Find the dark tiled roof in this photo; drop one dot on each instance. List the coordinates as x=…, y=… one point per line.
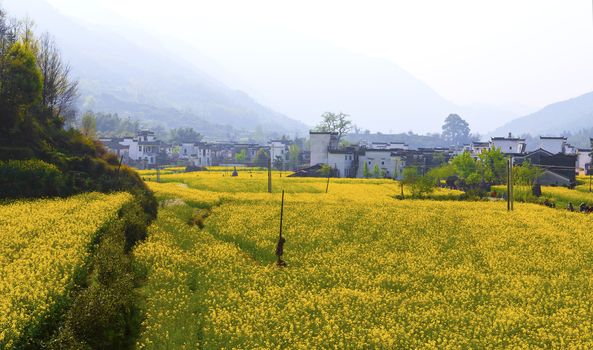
x=115, y=145
x=507, y=139
x=552, y=138
x=322, y=133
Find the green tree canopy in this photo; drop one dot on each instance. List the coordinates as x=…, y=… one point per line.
x=492, y=165
x=293, y=155
x=465, y=165
x=335, y=122
x=261, y=158
x=241, y=156
x=20, y=87
x=418, y=184
x=184, y=135
x=456, y=130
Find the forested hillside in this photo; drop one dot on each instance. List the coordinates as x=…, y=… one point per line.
x=121, y=76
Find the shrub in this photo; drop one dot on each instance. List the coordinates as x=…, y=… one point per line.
x=30, y=178
x=102, y=314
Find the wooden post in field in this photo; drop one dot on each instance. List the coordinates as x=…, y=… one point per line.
x=329, y=171
x=509, y=185
x=281, y=240
x=512, y=186
x=281, y=214
x=270, y=173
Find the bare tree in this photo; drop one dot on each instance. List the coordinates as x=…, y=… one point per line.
x=59, y=90
x=333, y=122
x=8, y=36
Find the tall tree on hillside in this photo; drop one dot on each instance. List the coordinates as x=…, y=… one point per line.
x=335, y=122
x=59, y=90
x=456, y=130
x=20, y=88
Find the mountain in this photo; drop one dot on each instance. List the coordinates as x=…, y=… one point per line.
x=130, y=78
x=570, y=116
x=304, y=77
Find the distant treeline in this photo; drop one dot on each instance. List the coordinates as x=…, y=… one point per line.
x=111, y=125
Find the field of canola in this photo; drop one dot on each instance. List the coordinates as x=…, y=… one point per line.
x=43, y=243
x=364, y=270
x=559, y=195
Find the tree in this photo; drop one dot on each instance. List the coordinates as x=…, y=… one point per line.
x=293, y=155
x=466, y=168
x=376, y=171
x=365, y=170
x=492, y=165
x=111, y=125
x=278, y=163
x=526, y=174
x=181, y=135
x=261, y=158
x=241, y=156
x=332, y=122
x=325, y=170
x=441, y=173
x=456, y=130
x=20, y=87
x=88, y=125
x=59, y=90
x=419, y=184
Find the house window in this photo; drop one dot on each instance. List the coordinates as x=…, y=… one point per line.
x=382, y=163
x=369, y=162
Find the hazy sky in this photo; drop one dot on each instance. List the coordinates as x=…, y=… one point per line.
x=514, y=53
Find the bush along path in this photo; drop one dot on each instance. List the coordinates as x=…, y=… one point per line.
x=103, y=312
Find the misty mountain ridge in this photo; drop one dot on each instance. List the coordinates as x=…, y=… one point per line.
x=569, y=116
x=304, y=77
x=118, y=76
x=175, y=85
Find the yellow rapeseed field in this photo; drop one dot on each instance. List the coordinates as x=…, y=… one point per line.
x=561, y=195
x=364, y=270
x=42, y=245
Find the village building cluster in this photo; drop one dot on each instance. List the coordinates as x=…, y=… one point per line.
x=145, y=151
x=559, y=160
